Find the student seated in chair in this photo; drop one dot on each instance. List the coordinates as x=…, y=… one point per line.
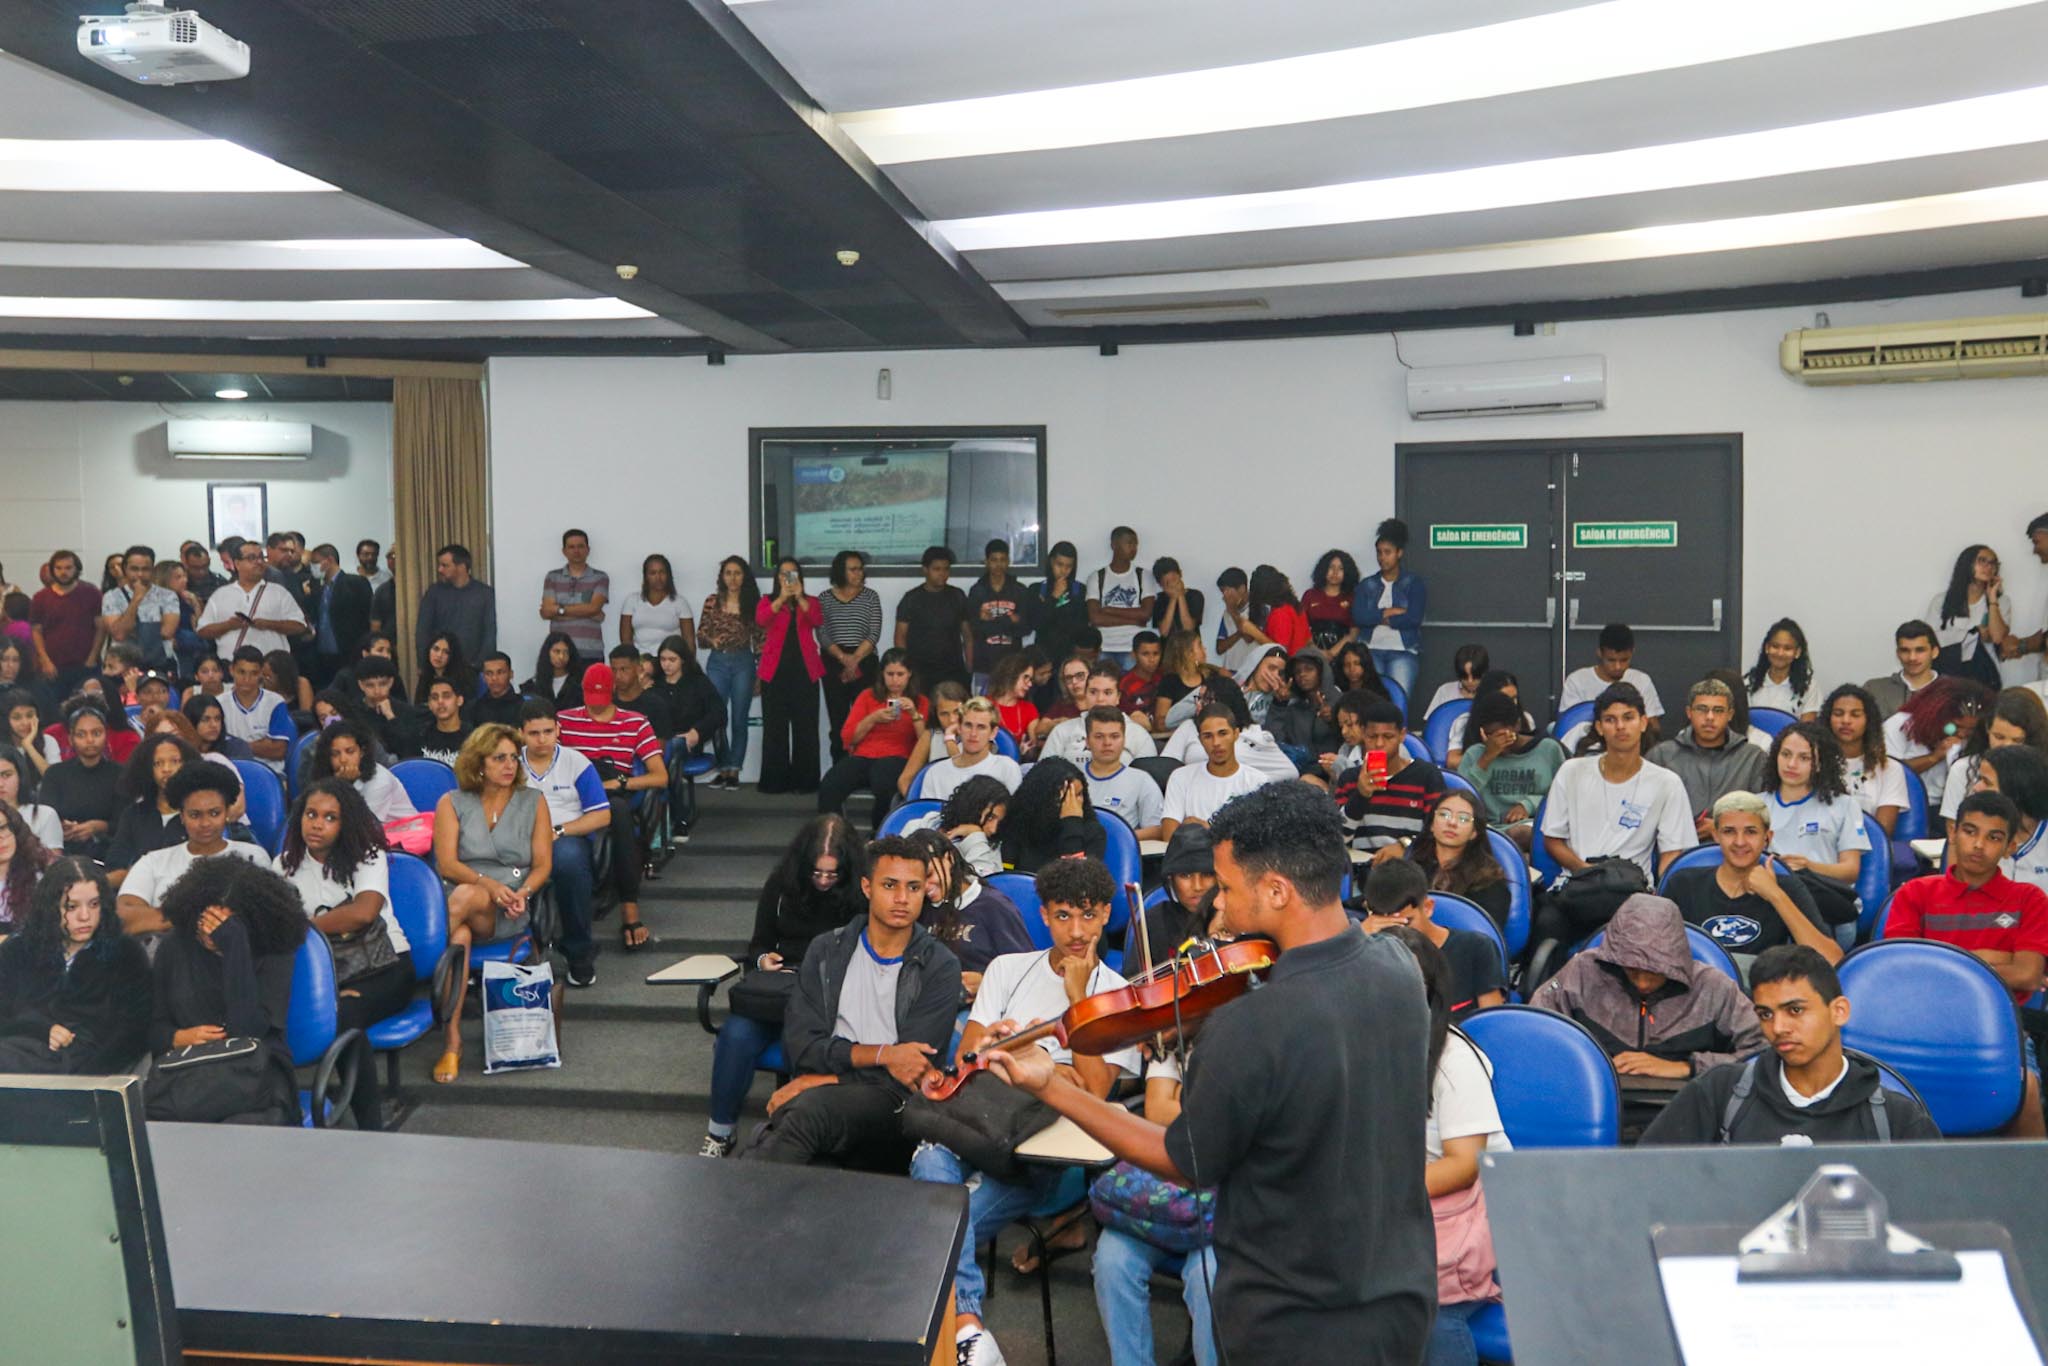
x=1069, y=738
x=1977, y=908
x=1654, y=1010
x=1383, y=815
x=1709, y=757
x=977, y=754
x=1915, y=646
x=1617, y=653
x=873, y=1007
x=1397, y=893
x=201, y=793
x=1017, y=991
x=442, y=736
x=1113, y=785
x=1747, y=905
x=1194, y=794
x=1804, y=1088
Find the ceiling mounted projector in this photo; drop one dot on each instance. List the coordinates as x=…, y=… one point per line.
x=153, y=45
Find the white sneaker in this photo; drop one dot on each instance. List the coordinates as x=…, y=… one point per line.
x=714, y=1146
x=979, y=1349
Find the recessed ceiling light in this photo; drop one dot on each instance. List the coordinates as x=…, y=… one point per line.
x=231, y=393
x=149, y=165
x=1568, y=47
x=2011, y=119
x=322, y=310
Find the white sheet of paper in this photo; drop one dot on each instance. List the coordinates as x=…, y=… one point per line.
x=1872, y=1323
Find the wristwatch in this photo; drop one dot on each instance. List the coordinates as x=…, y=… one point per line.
x=558, y=832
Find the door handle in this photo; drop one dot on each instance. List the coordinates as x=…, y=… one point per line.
x=1713, y=627
x=1549, y=620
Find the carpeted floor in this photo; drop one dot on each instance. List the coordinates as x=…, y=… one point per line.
x=636, y=1065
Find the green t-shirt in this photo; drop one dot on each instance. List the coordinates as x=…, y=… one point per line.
x=1513, y=778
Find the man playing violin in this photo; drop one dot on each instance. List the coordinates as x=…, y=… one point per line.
x=1017, y=991
x=1304, y=1107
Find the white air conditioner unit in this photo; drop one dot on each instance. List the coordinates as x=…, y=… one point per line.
x=1966, y=348
x=1559, y=384
x=194, y=438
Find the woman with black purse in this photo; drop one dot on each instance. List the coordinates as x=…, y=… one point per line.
x=74, y=991
x=815, y=888
x=334, y=857
x=223, y=992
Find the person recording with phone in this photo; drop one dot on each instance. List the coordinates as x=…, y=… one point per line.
x=1387, y=799
x=789, y=672
x=882, y=727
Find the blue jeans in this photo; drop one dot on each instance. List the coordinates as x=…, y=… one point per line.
x=1398, y=665
x=575, y=884
x=732, y=672
x=1123, y=1296
x=1450, y=1338
x=991, y=1205
x=734, y=1060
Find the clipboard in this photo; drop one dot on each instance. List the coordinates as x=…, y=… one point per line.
x=1829, y=1277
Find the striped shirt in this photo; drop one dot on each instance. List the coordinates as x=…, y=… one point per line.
x=573, y=591
x=1395, y=813
x=618, y=742
x=847, y=624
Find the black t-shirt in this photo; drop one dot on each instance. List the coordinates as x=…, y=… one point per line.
x=1059, y=619
x=1325, y=1250
x=1197, y=607
x=489, y=710
x=1474, y=961
x=997, y=634
x=1740, y=924
x=1172, y=689
x=654, y=707
x=78, y=793
x=934, y=619
x=435, y=743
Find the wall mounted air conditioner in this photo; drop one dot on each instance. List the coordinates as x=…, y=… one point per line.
x=192, y=438
x=1965, y=348
x=1559, y=384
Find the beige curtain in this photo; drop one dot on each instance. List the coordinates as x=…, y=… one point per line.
x=441, y=489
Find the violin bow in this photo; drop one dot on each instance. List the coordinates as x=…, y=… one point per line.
x=1137, y=921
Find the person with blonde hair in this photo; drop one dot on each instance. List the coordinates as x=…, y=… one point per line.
x=977, y=754
x=494, y=848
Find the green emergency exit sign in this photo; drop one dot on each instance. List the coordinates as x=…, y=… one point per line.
x=1479, y=536
x=1624, y=535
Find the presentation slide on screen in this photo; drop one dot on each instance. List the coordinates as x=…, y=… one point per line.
x=890, y=506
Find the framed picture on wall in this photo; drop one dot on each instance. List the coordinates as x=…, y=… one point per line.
x=237, y=510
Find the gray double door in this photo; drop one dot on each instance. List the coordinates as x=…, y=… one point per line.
x=1530, y=547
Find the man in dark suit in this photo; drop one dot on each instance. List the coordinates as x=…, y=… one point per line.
x=341, y=614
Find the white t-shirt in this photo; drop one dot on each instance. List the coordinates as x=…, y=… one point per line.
x=51, y=753
x=386, y=797
x=1022, y=987
x=1973, y=618
x=1461, y=1100
x=867, y=998
x=1194, y=793
x=1781, y=696
x=1132, y=795
x=1886, y=787
x=1069, y=740
x=654, y=622
x=943, y=779
x=266, y=600
x=1255, y=749
x=269, y=719
x=1823, y=833
x=1112, y=589
x=1383, y=637
x=1900, y=746
x=1633, y=819
x=2029, y=862
x=1584, y=685
x=1449, y=692
x=1799, y=1102
x=319, y=892
x=155, y=871
x=1962, y=772
x=45, y=824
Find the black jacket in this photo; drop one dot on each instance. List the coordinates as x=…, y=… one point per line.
x=1695, y=1114
x=1077, y=835
x=104, y=999
x=694, y=704
x=927, y=999
x=350, y=595
x=789, y=926
x=1296, y=722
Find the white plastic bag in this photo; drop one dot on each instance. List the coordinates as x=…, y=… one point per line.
x=519, y=1017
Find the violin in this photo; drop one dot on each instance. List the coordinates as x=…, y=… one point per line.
x=1201, y=977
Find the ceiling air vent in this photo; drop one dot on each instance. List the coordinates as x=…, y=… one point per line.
x=1128, y=312
x=1966, y=348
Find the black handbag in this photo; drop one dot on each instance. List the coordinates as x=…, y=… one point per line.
x=762, y=996
x=1589, y=898
x=982, y=1122
x=239, y=1079
x=1836, y=901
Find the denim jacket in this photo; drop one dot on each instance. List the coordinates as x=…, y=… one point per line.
x=1410, y=595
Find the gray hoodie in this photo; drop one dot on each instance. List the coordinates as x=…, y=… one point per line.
x=1710, y=774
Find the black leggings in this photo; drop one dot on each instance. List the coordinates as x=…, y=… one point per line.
x=378, y=995
x=853, y=773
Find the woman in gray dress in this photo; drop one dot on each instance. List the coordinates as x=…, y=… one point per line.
x=494, y=848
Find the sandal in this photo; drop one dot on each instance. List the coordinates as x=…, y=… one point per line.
x=447, y=1068
x=630, y=941
x=1069, y=1233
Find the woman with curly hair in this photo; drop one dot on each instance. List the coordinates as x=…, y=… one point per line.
x=1934, y=723
x=147, y=821
x=345, y=750
x=1782, y=676
x=1327, y=604
x=74, y=991
x=1352, y=670
x=968, y=916
x=1049, y=817
x=23, y=858
x=1874, y=778
x=970, y=819
x=1816, y=826
x=335, y=859
x=444, y=660
x=225, y=972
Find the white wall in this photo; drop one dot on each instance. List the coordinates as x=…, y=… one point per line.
x=1856, y=500
x=97, y=477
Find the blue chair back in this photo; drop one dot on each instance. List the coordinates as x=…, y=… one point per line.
x=1022, y=889
x=422, y=910
x=1874, y=874
x=310, y=1021
x=1396, y=694
x=426, y=781
x=1416, y=749
x=907, y=815
x=295, y=759
x=1706, y=856
x=1454, y=781
x=1454, y=912
x=264, y=796
x=1912, y=822
x=917, y=784
x=1578, y=714
x=1944, y=1022
x=1554, y=1086
x=1006, y=744
x=1704, y=950
x=1120, y=855
x=1436, y=727
x=1770, y=720
x=1539, y=853
x=1508, y=855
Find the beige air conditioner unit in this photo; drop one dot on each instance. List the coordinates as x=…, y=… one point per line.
x=1966, y=348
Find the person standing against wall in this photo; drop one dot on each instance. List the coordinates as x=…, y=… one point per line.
x=573, y=598
x=1120, y=601
x=343, y=617
x=852, y=634
x=790, y=670
x=726, y=626
x=461, y=605
x=64, y=621
x=1388, y=608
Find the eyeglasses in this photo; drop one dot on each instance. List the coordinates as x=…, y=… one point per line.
x=824, y=875
x=1455, y=817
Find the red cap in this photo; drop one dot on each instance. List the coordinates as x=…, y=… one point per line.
x=597, y=686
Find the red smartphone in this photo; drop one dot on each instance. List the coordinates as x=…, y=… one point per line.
x=1376, y=765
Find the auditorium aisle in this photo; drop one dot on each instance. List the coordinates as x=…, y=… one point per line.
x=636, y=1067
